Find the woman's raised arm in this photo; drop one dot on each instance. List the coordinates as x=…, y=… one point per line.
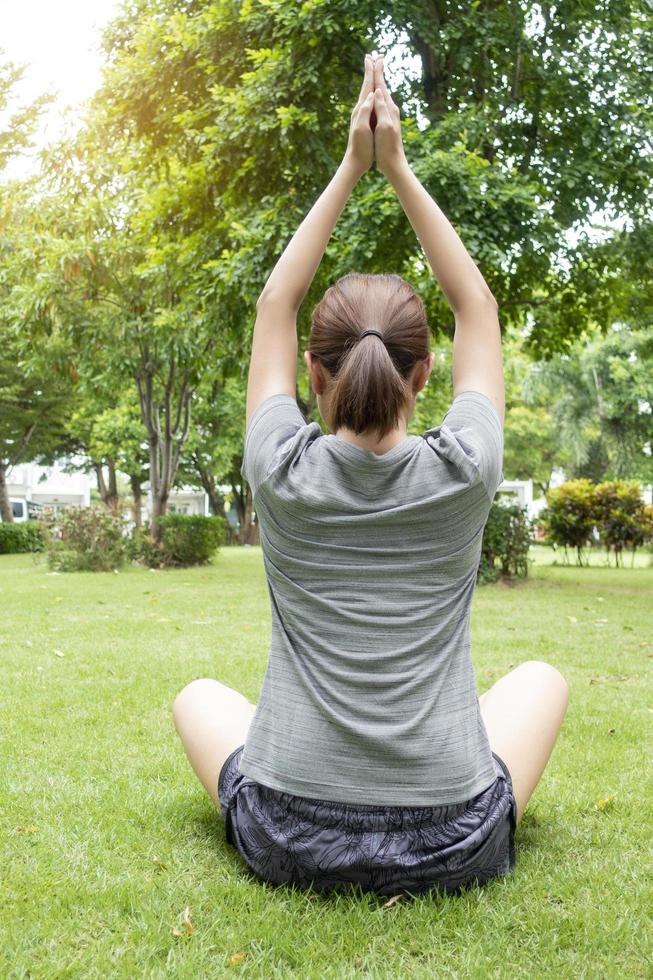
x=477, y=358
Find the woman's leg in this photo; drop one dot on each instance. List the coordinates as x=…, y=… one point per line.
x=212, y=720
x=523, y=712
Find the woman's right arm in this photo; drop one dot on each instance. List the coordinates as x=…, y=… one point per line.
x=477, y=356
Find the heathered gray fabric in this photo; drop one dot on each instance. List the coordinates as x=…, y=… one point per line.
x=370, y=693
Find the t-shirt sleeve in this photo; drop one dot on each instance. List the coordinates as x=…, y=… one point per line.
x=476, y=425
x=274, y=423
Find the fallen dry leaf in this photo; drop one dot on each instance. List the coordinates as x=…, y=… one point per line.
x=32, y=829
x=604, y=804
x=188, y=925
x=572, y=619
x=237, y=958
x=391, y=901
x=59, y=653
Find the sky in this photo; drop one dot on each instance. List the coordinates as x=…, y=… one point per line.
x=59, y=42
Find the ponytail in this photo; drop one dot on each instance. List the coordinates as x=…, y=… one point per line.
x=370, y=386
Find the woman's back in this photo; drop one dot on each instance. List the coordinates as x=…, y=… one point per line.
x=371, y=562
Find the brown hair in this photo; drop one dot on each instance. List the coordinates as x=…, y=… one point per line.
x=370, y=386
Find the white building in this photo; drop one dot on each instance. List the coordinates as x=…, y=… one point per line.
x=32, y=487
x=183, y=500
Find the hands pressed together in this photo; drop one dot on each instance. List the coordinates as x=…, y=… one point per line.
x=375, y=129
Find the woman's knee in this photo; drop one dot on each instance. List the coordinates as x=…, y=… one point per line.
x=547, y=673
x=191, y=692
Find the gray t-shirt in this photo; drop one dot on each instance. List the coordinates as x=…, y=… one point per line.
x=370, y=694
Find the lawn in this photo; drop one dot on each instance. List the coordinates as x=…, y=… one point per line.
x=107, y=837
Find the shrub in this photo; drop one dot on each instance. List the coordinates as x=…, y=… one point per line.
x=186, y=539
x=85, y=539
x=141, y=548
x=622, y=517
x=506, y=540
x=570, y=515
x=16, y=539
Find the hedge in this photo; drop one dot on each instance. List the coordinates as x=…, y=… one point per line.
x=17, y=538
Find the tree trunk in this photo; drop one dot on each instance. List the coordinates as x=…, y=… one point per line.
x=167, y=428
x=159, y=509
x=108, y=492
x=6, y=513
x=207, y=480
x=137, y=494
x=249, y=532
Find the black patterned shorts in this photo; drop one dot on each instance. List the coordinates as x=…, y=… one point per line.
x=287, y=839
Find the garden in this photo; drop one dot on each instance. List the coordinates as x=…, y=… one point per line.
x=115, y=862
x=138, y=231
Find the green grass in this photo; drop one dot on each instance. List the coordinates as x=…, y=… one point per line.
x=125, y=837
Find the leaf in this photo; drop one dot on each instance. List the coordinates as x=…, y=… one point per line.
x=572, y=619
x=32, y=829
x=606, y=803
x=59, y=653
x=391, y=901
x=188, y=925
x=236, y=958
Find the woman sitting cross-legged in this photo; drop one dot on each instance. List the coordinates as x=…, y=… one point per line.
x=369, y=758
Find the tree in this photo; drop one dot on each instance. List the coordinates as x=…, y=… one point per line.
x=32, y=395
x=601, y=401
x=533, y=118
x=37, y=383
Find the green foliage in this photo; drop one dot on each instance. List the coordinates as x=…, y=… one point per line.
x=615, y=509
x=190, y=539
x=506, y=540
x=17, y=538
x=601, y=398
x=186, y=539
x=623, y=517
x=142, y=549
x=85, y=539
x=494, y=122
x=570, y=515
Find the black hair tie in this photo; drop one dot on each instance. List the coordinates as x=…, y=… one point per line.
x=376, y=332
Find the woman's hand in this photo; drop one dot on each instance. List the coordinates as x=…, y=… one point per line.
x=388, y=143
x=360, y=148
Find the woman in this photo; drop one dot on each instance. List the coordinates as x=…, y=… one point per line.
x=369, y=758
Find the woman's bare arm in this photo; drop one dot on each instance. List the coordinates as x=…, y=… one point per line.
x=477, y=357
x=452, y=265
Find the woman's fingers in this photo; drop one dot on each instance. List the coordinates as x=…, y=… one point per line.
x=381, y=107
x=368, y=79
x=379, y=82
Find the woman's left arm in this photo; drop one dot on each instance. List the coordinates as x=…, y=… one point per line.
x=273, y=363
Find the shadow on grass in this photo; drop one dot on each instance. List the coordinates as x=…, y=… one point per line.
x=207, y=828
